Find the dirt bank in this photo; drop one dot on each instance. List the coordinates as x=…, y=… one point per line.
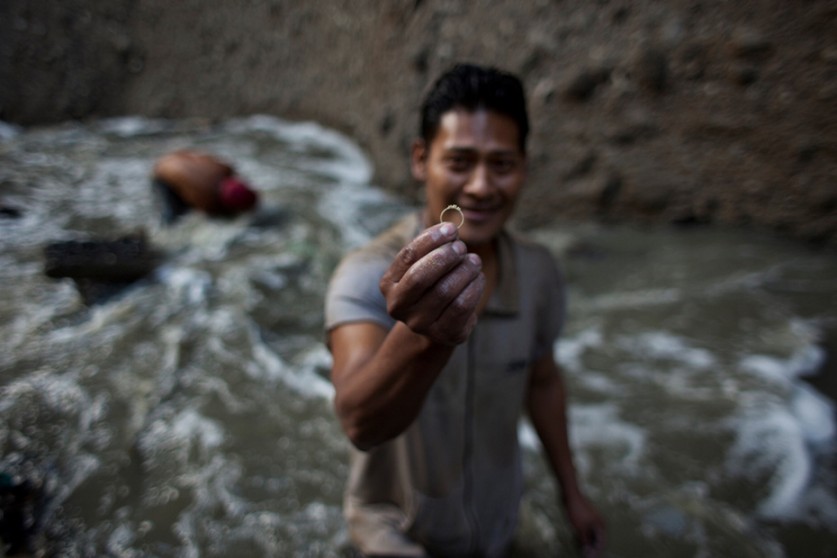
x=683, y=111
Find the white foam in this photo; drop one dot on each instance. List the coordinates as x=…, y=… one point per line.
x=191, y=425
x=131, y=126
x=59, y=397
x=770, y=441
x=665, y=345
x=815, y=415
x=570, y=349
x=527, y=436
x=190, y=285
x=804, y=361
x=634, y=299
x=770, y=368
x=109, y=190
x=777, y=440
x=600, y=427
x=9, y=131
x=349, y=165
x=304, y=379
x=177, y=433
x=347, y=206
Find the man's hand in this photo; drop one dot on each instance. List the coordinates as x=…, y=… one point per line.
x=588, y=526
x=434, y=286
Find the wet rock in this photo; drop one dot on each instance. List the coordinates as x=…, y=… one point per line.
x=10, y=212
x=127, y=258
x=100, y=268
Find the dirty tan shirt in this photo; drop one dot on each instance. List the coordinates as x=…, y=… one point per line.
x=451, y=484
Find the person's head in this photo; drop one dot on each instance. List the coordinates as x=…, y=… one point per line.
x=235, y=196
x=472, y=87
x=472, y=149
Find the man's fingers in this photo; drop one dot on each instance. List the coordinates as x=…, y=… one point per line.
x=466, y=302
x=460, y=317
x=430, y=269
x=423, y=244
x=593, y=545
x=434, y=286
x=453, y=289
x=420, y=279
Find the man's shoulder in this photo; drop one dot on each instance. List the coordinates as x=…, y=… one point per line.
x=353, y=294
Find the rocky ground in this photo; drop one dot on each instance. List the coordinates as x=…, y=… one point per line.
x=685, y=111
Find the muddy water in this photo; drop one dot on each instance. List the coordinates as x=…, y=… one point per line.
x=189, y=415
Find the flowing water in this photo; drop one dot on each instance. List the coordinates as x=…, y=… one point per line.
x=189, y=415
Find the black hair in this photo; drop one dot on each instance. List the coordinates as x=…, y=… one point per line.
x=473, y=87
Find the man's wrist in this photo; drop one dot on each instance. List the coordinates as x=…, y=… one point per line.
x=570, y=491
x=422, y=343
x=429, y=342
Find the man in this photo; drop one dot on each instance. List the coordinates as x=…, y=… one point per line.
x=191, y=179
x=441, y=336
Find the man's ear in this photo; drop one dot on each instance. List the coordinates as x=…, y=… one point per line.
x=418, y=160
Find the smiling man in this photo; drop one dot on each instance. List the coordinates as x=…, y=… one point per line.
x=443, y=336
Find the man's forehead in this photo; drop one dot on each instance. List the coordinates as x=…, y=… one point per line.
x=461, y=129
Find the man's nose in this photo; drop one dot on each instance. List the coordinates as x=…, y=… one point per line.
x=479, y=183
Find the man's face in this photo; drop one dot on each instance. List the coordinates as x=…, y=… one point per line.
x=475, y=162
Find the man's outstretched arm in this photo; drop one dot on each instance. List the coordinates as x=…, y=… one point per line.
x=381, y=377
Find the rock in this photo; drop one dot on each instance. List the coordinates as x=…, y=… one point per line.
x=611, y=188
x=10, y=212
x=583, y=85
x=651, y=69
x=100, y=267
x=750, y=43
x=744, y=74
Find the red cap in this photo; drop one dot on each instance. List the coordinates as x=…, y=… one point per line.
x=236, y=195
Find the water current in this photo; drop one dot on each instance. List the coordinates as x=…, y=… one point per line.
x=190, y=414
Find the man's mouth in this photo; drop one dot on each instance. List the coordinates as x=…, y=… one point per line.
x=478, y=214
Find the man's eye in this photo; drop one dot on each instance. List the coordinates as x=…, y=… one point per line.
x=504, y=165
x=458, y=163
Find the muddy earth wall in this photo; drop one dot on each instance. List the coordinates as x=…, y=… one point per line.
x=685, y=111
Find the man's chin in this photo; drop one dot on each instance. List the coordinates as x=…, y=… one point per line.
x=476, y=238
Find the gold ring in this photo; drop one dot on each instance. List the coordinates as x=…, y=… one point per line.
x=456, y=208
